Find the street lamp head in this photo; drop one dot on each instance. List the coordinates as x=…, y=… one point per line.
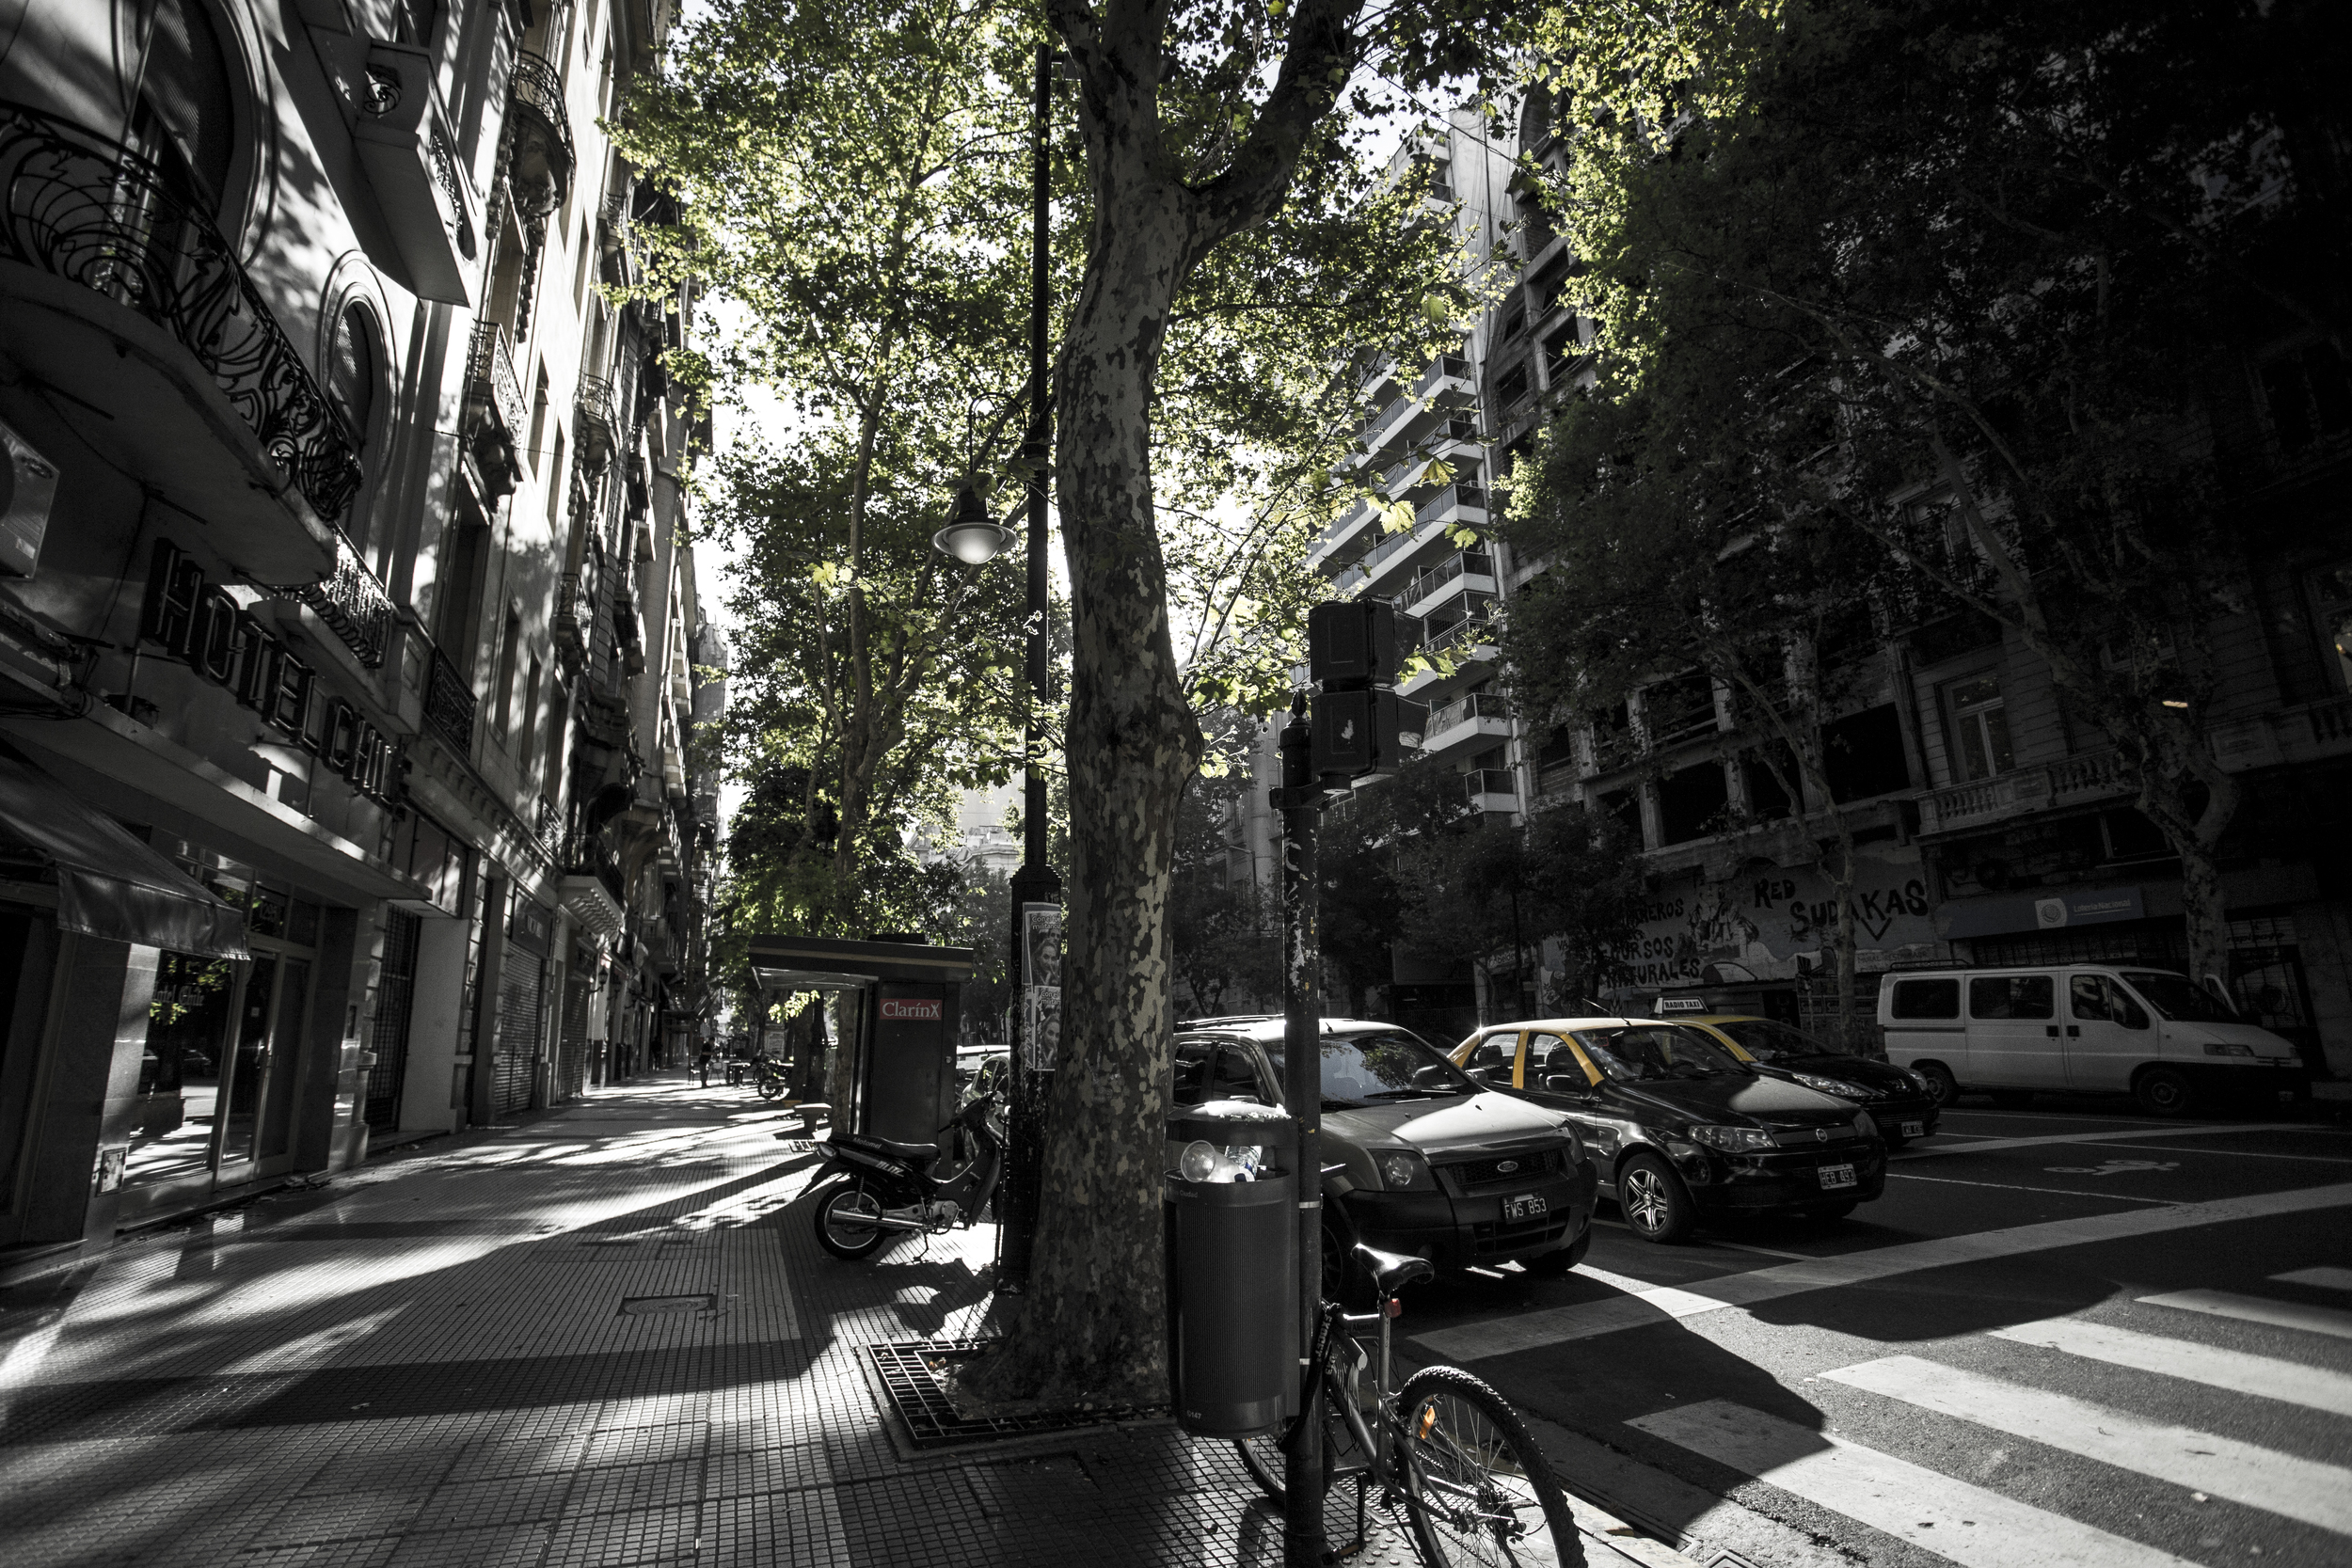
x=970, y=536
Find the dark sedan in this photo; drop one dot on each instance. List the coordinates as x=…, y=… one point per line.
x=1678, y=1127
x=1898, y=1101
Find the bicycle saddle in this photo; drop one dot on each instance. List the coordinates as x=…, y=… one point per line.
x=1391, y=1271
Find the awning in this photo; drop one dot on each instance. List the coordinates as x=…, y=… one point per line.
x=109, y=884
x=824, y=963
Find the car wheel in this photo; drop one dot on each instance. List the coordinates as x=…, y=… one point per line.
x=1940, y=1086
x=1652, y=1195
x=1343, y=1278
x=2012, y=1100
x=2163, y=1092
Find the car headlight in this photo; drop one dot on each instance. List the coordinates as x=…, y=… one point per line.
x=1918, y=1081
x=2218, y=1048
x=1733, y=1140
x=1837, y=1086
x=1403, y=1170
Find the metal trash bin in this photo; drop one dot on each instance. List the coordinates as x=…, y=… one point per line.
x=1233, y=1271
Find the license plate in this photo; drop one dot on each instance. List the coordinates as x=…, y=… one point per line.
x=1838, y=1175
x=1529, y=1205
x=1914, y=1129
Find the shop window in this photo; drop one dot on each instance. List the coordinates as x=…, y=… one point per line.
x=1691, y=803
x=1980, y=727
x=1863, y=754
x=181, y=1075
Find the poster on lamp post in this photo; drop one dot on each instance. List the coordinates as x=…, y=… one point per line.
x=1041, y=997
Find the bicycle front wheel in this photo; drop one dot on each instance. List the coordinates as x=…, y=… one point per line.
x=1479, y=1490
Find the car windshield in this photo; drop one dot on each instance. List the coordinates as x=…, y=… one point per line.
x=2178, y=1000
x=1768, y=1040
x=1652, y=1052
x=1365, y=1070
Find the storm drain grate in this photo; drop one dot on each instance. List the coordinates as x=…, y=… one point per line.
x=641, y=1306
x=910, y=1373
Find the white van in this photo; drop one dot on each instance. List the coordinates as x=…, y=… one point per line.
x=2082, y=1029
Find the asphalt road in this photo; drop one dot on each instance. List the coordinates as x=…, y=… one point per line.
x=2063, y=1337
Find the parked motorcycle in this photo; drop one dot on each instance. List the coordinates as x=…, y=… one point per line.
x=881, y=1188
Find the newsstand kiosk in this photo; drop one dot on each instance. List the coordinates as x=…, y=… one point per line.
x=902, y=1027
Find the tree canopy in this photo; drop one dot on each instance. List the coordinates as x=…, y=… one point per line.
x=1939, y=306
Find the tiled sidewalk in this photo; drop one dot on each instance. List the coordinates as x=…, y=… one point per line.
x=461, y=1355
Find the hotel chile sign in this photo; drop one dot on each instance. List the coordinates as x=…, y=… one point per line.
x=203, y=623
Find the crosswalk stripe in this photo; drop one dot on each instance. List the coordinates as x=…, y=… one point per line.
x=1504, y=1336
x=2262, y=1376
x=2326, y=1278
x=2260, y=1478
x=2259, y=1309
x=1969, y=1525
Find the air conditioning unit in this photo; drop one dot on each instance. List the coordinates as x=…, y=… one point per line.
x=29, y=486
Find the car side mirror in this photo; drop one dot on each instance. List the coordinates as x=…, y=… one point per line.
x=1431, y=1077
x=1561, y=1082
x=2135, y=1016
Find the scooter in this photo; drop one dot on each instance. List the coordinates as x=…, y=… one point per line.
x=881, y=1188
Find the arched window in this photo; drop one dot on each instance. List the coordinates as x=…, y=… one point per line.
x=187, y=115
x=352, y=370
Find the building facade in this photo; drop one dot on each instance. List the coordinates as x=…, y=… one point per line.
x=348, y=628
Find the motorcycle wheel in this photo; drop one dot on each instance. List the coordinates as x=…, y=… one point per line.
x=769, y=1085
x=849, y=1201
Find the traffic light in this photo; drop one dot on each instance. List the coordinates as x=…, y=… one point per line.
x=1360, y=726
x=1351, y=644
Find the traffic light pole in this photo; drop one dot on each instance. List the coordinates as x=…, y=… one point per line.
x=1301, y=802
x=1036, y=889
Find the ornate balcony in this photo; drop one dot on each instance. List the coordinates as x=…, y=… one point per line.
x=353, y=602
x=540, y=165
x=2094, y=776
x=495, y=414
x=404, y=144
x=448, y=705
x=123, y=296
x=597, y=424
x=575, y=612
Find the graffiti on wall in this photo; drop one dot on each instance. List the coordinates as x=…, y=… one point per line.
x=1779, y=923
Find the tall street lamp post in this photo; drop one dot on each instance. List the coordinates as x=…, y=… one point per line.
x=1034, y=964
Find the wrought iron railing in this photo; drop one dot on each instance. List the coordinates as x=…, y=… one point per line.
x=1470, y=629
x=449, y=703
x=585, y=855
x=88, y=210
x=599, y=419
x=491, y=367
x=353, y=602
x=538, y=83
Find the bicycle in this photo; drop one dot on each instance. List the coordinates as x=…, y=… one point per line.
x=770, y=1081
x=1449, y=1451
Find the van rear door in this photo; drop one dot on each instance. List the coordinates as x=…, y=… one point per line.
x=2014, y=1031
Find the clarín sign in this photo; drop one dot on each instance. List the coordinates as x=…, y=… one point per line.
x=203, y=623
